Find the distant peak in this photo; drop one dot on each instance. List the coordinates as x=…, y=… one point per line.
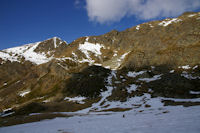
x=54, y=38
x=57, y=38
x=56, y=41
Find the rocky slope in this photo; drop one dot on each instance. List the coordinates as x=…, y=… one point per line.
x=158, y=59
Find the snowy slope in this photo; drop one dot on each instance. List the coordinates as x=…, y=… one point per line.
x=16, y=54
x=26, y=51
x=177, y=120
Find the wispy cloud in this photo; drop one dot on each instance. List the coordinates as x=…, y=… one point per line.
x=104, y=11
x=78, y=3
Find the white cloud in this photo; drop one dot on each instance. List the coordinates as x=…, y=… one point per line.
x=104, y=11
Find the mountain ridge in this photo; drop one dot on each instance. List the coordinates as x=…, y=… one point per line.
x=163, y=23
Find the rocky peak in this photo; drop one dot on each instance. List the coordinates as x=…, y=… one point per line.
x=50, y=44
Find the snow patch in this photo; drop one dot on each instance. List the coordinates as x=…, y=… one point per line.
x=155, y=77
x=66, y=68
x=167, y=22
x=132, y=87
x=109, y=79
x=24, y=93
x=97, y=64
x=79, y=99
x=195, y=67
x=124, y=55
x=136, y=103
x=107, y=67
x=94, y=48
x=138, y=27
x=7, y=57
x=189, y=76
x=74, y=55
x=135, y=74
x=172, y=71
x=151, y=25
x=88, y=47
x=115, y=53
x=153, y=67
x=90, y=61
x=46, y=101
x=8, y=109
x=191, y=15
x=87, y=39
x=185, y=67
x=195, y=92
x=75, y=59
x=7, y=112
x=118, y=61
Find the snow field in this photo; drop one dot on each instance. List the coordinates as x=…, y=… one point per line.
x=177, y=120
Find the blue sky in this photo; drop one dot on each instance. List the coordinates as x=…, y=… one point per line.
x=26, y=21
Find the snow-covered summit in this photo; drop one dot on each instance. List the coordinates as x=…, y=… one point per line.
x=37, y=53
x=27, y=52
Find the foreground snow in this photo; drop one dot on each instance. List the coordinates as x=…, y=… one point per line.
x=177, y=120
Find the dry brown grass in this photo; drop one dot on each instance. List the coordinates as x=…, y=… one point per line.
x=185, y=104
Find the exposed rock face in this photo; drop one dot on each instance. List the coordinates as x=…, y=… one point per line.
x=164, y=55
